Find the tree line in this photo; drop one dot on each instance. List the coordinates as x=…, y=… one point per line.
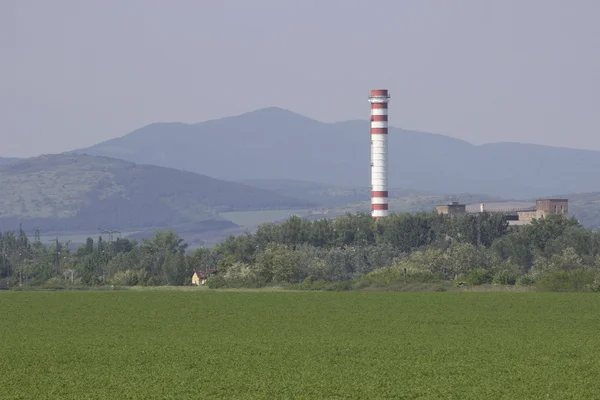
x=352, y=251
x=355, y=251
x=26, y=262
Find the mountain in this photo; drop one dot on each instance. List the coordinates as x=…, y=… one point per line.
x=70, y=192
x=277, y=144
x=6, y=160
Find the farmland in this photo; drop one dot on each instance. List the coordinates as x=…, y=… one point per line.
x=219, y=344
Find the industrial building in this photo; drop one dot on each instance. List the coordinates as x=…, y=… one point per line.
x=515, y=216
x=379, y=99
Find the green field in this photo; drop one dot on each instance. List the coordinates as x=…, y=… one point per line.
x=321, y=345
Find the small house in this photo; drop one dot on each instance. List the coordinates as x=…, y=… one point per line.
x=201, y=275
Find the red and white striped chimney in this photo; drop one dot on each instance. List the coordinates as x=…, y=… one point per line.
x=379, y=137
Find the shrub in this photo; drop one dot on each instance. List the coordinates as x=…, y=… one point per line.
x=55, y=283
x=128, y=277
x=249, y=281
x=420, y=276
x=504, y=277
x=479, y=276
x=310, y=284
x=526, y=280
x=595, y=285
x=567, y=281
x=9, y=283
x=216, y=282
x=151, y=281
x=339, y=286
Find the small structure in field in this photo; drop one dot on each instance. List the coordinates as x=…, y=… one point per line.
x=201, y=275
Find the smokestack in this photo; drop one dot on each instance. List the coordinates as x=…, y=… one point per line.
x=379, y=133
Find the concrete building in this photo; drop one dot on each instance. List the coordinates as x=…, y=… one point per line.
x=552, y=206
x=515, y=216
x=453, y=209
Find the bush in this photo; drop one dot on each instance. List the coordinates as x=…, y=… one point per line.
x=595, y=286
x=310, y=284
x=55, y=283
x=151, y=281
x=420, y=276
x=504, y=277
x=526, y=280
x=9, y=283
x=395, y=275
x=216, y=282
x=128, y=277
x=237, y=282
x=339, y=286
x=577, y=280
x=479, y=276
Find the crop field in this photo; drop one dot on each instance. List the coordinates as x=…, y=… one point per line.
x=318, y=345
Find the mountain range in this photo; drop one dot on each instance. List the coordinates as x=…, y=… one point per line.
x=218, y=177
x=75, y=192
x=277, y=144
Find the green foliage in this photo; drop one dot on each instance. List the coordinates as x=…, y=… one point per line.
x=526, y=280
x=576, y=280
x=310, y=284
x=505, y=277
x=351, y=250
x=479, y=276
x=129, y=278
x=154, y=344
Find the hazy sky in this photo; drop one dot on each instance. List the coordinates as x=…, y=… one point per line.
x=74, y=73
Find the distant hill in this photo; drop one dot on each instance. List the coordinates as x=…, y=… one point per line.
x=6, y=160
x=332, y=195
x=321, y=193
x=70, y=192
x=273, y=143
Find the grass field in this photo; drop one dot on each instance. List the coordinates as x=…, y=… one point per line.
x=319, y=345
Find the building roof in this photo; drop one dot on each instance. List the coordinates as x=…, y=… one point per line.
x=552, y=199
x=204, y=273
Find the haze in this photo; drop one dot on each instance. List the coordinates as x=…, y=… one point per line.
x=75, y=73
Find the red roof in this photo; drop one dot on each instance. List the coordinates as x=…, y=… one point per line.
x=204, y=273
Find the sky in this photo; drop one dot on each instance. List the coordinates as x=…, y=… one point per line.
x=74, y=73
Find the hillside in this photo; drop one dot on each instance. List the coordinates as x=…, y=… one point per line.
x=69, y=192
x=277, y=144
x=325, y=194
x=6, y=160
